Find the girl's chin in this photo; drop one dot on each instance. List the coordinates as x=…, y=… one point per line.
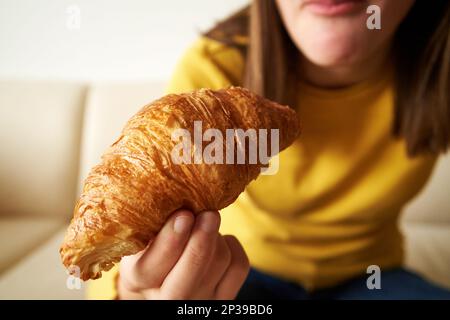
x=330, y=59
x=333, y=51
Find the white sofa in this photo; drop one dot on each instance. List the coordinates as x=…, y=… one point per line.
x=51, y=133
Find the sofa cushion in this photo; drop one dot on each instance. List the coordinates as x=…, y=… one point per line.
x=432, y=205
x=428, y=250
x=40, y=275
x=20, y=235
x=40, y=135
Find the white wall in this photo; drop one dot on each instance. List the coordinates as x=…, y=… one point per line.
x=116, y=39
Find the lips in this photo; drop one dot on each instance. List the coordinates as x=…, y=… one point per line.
x=333, y=7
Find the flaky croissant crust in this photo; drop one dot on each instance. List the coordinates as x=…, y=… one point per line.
x=127, y=197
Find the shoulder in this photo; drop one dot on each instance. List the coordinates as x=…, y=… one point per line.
x=207, y=63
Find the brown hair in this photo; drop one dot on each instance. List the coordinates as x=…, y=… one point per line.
x=421, y=53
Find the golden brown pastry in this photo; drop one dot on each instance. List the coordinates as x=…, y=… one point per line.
x=127, y=197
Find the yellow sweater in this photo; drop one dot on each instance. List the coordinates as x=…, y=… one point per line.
x=332, y=209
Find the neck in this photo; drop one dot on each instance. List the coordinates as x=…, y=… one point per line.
x=345, y=75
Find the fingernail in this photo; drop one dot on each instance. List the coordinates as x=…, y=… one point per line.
x=208, y=221
x=182, y=224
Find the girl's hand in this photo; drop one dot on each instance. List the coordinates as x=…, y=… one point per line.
x=188, y=259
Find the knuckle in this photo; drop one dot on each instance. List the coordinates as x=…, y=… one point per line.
x=224, y=256
x=130, y=282
x=240, y=258
x=142, y=278
x=128, y=276
x=173, y=295
x=243, y=264
x=140, y=269
x=198, y=254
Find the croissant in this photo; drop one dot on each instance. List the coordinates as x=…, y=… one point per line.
x=127, y=197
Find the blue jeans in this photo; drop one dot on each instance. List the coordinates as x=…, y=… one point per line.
x=396, y=284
